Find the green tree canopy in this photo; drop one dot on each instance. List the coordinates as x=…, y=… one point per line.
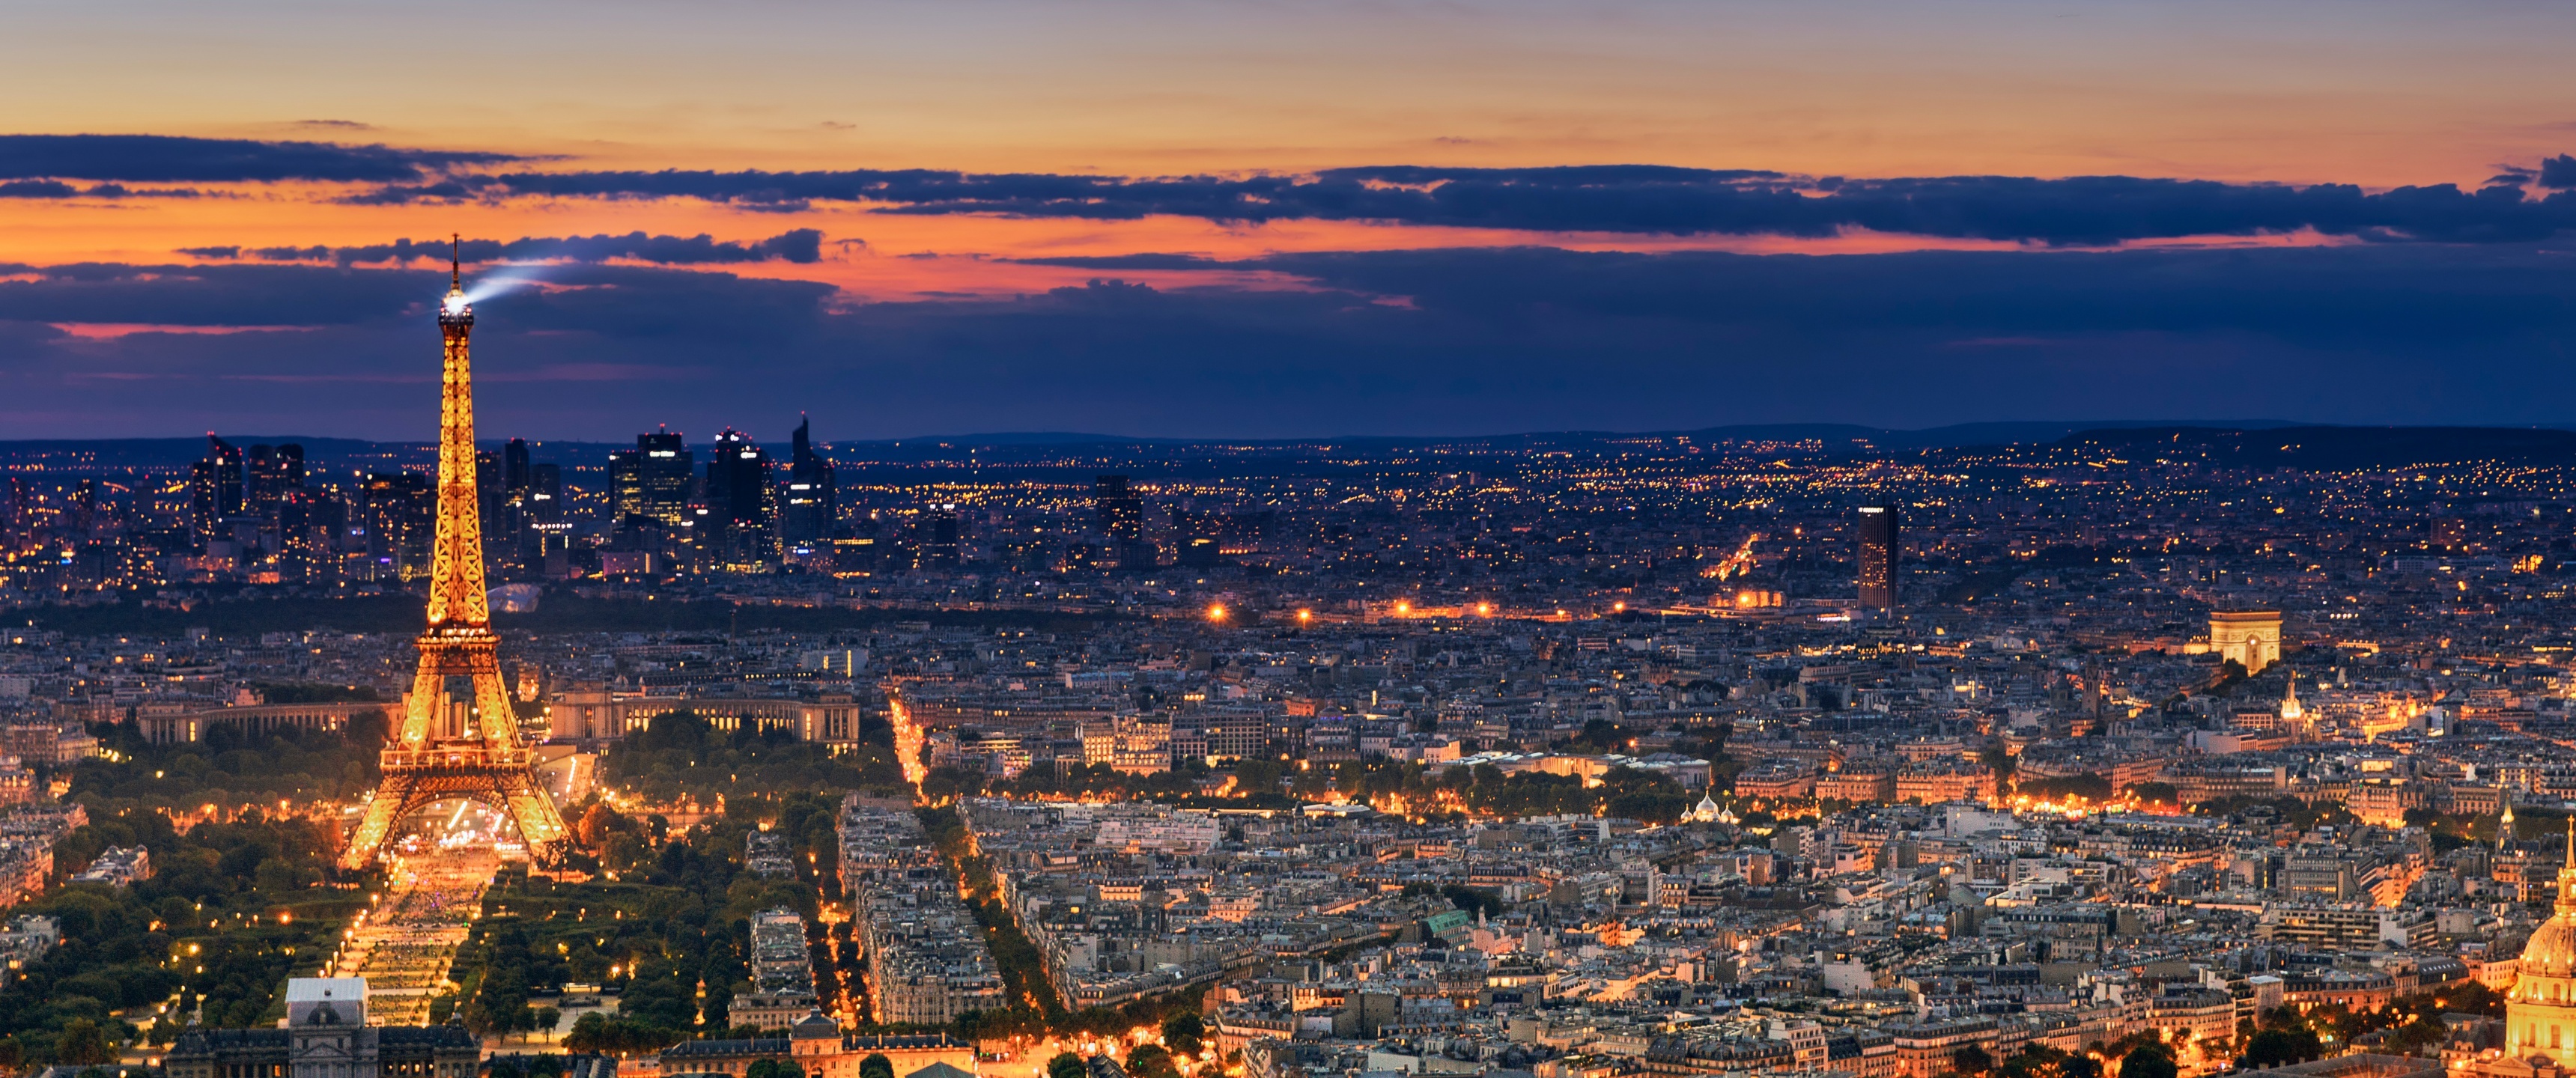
x=83, y=1043
x=1185, y=1032
x=2147, y=1063
x=1151, y=1061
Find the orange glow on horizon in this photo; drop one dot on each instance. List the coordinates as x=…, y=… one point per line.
x=869, y=256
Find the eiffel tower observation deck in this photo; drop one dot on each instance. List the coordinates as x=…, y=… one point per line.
x=459, y=737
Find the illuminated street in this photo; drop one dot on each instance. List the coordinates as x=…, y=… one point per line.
x=405, y=946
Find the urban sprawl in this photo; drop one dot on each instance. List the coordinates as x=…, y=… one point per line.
x=2134, y=753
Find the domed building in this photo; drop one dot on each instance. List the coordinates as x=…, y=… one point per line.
x=1705, y=811
x=2540, y=1012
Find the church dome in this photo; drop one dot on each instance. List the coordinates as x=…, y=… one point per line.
x=814, y=1025
x=2552, y=950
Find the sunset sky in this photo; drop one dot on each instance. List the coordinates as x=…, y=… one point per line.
x=1285, y=219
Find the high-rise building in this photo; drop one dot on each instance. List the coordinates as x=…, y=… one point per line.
x=811, y=509
x=214, y=488
x=545, y=492
x=1121, y=514
x=514, y=468
x=84, y=510
x=307, y=522
x=1197, y=538
x=739, y=498
x=271, y=473
x=652, y=480
x=492, y=506
x=936, y=539
x=17, y=515
x=506, y=528
x=1122, y=521
x=1878, y=557
x=398, y=517
x=543, y=511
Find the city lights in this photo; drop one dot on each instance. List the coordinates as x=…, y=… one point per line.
x=1460, y=540
x=2068, y=700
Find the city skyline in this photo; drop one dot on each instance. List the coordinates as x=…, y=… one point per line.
x=1344, y=539
x=1166, y=221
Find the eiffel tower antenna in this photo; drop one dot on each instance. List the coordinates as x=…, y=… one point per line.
x=455, y=264
x=460, y=735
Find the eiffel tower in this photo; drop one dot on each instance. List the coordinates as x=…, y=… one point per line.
x=459, y=737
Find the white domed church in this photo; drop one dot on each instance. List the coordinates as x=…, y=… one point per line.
x=2540, y=1012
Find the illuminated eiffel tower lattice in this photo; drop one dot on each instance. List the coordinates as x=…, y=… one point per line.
x=459, y=738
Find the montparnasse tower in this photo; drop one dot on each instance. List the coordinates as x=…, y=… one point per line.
x=2540, y=1012
x=459, y=738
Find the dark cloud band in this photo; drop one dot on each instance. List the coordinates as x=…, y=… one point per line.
x=1632, y=199
x=172, y=159
x=57, y=189
x=795, y=245
x=1484, y=340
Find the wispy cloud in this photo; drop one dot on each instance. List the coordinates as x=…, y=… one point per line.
x=174, y=159
x=1617, y=199
x=795, y=245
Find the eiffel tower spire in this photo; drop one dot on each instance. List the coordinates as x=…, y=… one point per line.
x=459, y=737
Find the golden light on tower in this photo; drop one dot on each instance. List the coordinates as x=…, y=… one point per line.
x=460, y=735
x=2543, y=998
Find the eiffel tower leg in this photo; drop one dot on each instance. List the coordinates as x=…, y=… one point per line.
x=393, y=795
x=420, y=720
x=497, y=716
x=540, y=825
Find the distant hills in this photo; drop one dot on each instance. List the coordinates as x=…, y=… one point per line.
x=2336, y=448
x=2235, y=442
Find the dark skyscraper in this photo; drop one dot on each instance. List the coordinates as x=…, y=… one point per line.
x=1878, y=557
x=506, y=532
x=739, y=495
x=543, y=512
x=307, y=524
x=489, y=501
x=399, y=514
x=84, y=514
x=1197, y=538
x=1122, y=516
x=812, y=507
x=545, y=492
x=652, y=480
x=514, y=469
x=1122, y=520
x=214, y=488
x=937, y=537
x=17, y=515
x=271, y=474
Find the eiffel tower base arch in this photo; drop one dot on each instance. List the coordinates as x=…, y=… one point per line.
x=506, y=787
